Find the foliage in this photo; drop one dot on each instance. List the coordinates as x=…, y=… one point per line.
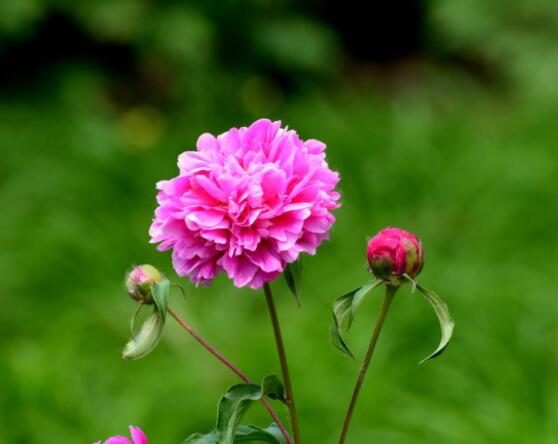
x=468, y=165
x=232, y=408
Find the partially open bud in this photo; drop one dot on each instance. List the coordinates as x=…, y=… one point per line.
x=139, y=282
x=393, y=253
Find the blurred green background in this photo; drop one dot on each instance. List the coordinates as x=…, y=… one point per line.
x=441, y=117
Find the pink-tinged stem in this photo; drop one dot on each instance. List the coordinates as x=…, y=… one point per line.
x=283, y=361
x=231, y=366
x=390, y=293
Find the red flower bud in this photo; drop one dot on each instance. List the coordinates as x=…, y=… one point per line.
x=393, y=253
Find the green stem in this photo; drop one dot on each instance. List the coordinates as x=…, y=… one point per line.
x=388, y=298
x=283, y=361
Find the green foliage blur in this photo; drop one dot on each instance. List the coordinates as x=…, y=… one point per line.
x=450, y=132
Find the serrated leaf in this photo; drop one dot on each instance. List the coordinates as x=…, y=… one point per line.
x=444, y=318
x=345, y=307
x=293, y=276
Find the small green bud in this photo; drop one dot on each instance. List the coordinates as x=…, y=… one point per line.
x=139, y=283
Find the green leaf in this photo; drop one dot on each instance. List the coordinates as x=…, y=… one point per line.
x=148, y=337
x=444, y=317
x=133, y=319
x=293, y=276
x=274, y=430
x=345, y=307
x=199, y=438
x=160, y=292
x=232, y=407
x=253, y=434
x=245, y=434
x=358, y=298
x=236, y=401
x=273, y=388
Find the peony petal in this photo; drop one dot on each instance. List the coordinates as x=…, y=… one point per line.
x=247, y=202
x=138, y=436
x=207, y=142
x=118, y=440
x=211, y=188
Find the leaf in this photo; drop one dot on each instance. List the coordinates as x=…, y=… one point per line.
x=273, y=388
x=200, y=438
x=236, y=401
x=231, y=409
x=148, y=337
x=160, y=292
x=133, y=319
x=274, y=430
x=293, y=276
x=446, y=322
x=253, y=434
x=245, y=434
x=346, y=306
x=358, y=298
x=337, y=340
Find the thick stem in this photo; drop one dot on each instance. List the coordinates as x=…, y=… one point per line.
x=390, y=293
x=283, y=361
x=231, y=366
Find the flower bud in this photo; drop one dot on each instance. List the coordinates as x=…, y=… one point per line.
x=139, y=282
x=393, y=253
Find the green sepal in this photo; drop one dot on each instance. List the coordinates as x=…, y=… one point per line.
x=293, y=277
x=444, y=318
x=160, y=292
x=344, y=307
x=146, y=340
x=232, y=408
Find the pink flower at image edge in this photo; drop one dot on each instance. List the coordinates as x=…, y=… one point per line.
x=138, y=437
x=247, y=202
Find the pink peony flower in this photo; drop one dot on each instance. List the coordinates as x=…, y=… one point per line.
x=138, y=437
x=247, y=202
x=394, y=252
